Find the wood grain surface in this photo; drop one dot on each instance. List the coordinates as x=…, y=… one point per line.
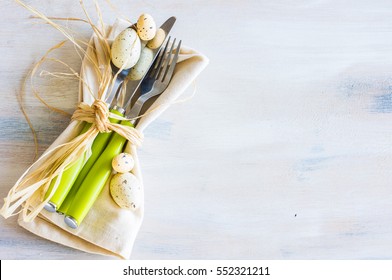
x=285, y=152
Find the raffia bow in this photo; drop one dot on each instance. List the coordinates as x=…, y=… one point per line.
x=30, y=189
x=97, y=113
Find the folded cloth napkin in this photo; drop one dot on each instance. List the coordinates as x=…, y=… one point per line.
x=108, y=229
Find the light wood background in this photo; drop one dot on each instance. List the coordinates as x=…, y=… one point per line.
x=285, y=152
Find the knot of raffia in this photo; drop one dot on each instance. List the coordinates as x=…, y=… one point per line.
x=98, y=114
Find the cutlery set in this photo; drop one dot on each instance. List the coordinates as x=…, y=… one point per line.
x=80, y=184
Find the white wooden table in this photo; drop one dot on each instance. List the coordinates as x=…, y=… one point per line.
x=285, y=152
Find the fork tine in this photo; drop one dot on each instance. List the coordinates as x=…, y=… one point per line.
x=156, y=86
x=157, y=65
x=170, y=69
x=167, y=62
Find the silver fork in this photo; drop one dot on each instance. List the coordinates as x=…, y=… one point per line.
x=157, y=79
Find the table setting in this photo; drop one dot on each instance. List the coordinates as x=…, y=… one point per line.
x=86, y=190
x=271, y=140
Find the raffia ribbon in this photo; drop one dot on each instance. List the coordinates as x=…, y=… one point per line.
x=97, y=113
x=30, y=189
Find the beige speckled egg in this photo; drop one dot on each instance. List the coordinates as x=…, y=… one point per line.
x=146, y=27
x=158, y=39
x=125, y=49
x=137, y=72
x=125, y=190
x=123, y=163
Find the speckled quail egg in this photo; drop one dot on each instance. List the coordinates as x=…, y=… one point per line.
x=125, y=49
x=146, y=27
x=137, y=72
x=123, y=163
x=158, y=39
x=125, y=190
